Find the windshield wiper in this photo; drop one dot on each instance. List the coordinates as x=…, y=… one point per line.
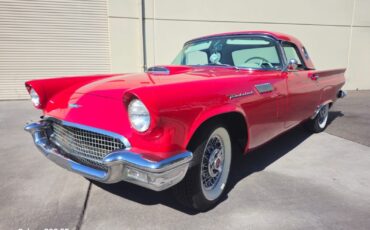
x=227, y=65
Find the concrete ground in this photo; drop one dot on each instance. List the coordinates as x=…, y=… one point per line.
x=297, y=181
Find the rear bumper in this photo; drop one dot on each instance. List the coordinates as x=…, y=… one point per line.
x=121, y=165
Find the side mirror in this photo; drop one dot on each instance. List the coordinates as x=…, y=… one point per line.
x=292, y=64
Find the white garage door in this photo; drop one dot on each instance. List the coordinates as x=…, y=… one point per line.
x=51, y=38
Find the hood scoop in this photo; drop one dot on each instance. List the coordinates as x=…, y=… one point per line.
x=162, y=70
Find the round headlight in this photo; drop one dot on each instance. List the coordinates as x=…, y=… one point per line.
x=138, y=115
x=35, y=98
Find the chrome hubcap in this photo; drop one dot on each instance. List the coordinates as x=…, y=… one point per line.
x=323, y=115
x=212, y=162
x=215, y=163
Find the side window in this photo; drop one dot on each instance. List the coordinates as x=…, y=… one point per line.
x=291, y=52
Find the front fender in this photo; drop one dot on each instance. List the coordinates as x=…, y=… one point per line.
x=211, y=113
x=47, y=88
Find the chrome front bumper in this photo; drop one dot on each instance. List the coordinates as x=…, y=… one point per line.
x=122, y=165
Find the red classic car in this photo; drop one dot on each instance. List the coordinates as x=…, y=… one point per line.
x=180, y=125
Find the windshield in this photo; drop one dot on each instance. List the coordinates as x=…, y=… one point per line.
x=239, y=51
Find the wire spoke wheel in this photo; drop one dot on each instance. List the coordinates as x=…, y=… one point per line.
x=319, y=122
x=215, y=164
x=206, y=182
x=323, y=116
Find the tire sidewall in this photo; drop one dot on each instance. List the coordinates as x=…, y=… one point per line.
x=317, y=128
x=200, y=201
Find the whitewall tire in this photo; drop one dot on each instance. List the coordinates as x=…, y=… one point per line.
x=206, y=181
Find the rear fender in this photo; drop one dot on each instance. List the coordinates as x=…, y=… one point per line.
x=333, y=80
x=326, y=95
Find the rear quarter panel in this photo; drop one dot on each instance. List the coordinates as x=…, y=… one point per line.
x=330, y=82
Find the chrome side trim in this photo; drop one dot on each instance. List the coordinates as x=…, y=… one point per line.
x=264, y=88
x=121, y=165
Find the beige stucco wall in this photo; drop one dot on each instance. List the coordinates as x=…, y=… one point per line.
x=335, y=32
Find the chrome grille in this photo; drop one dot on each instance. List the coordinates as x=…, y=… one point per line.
x=83, y=146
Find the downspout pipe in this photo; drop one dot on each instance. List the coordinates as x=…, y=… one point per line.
x=143, y=34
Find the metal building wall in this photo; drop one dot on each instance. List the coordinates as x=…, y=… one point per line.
x=51, y=38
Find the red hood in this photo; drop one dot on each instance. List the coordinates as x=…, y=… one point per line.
x=116, y=86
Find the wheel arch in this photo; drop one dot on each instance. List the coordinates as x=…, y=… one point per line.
x=234, y=119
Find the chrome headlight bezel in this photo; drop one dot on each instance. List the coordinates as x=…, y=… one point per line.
x=35, y=98
x=138, y=115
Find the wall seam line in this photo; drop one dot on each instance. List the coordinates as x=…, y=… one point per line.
x=351, y=35
x=250, y=22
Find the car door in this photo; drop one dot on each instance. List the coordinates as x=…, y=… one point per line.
x=303, y=89
x=267, y=89
x=264, y=114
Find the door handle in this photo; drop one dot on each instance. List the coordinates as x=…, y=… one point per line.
x=315, y=77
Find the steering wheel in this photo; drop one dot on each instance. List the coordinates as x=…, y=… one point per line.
x=261, y=61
